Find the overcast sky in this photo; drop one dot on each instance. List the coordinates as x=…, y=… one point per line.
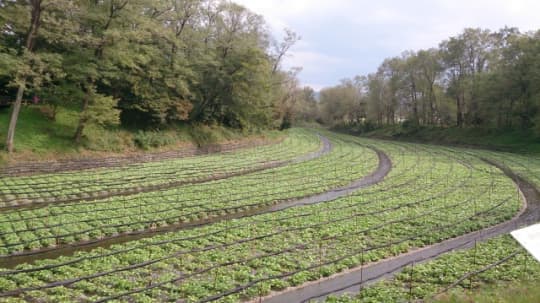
x=344, y=38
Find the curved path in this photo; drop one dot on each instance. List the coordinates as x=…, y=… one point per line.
x=349, y=282
x=97, y=195
x=384, y=167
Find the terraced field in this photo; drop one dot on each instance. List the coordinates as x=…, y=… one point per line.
x=495, y=262
x=307, y=211
x=95, y=183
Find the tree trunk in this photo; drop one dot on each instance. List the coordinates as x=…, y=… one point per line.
x=431, y=106
x=415, y=106
x=459, y=118
x=83, y=119
x=509, y=114
x=14, y=117
x=79, y=131
x=30, y=38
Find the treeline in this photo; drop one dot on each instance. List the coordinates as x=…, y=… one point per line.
x=479, y=78
x=143, y=63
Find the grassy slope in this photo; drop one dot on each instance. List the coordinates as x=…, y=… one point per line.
x=37, y=137
x=514, y=141
x=504, y=293
x=35, y=133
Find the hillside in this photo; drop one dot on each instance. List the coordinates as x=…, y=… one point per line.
x=40, y=138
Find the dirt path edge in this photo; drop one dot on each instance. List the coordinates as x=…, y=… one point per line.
x=349, y=282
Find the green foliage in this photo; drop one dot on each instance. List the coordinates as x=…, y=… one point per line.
x=153, y=139
x=8, y=62
x=515, y=292
x=429, y=189
x=154, y=64
x=518, y=141
x=101, y=111
x=202, y=135
x=40, y=135
x=108, y=139
x=478, y=79
x=489, y=286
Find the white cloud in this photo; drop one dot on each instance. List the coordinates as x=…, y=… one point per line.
x=310, y=61
x=340, y=36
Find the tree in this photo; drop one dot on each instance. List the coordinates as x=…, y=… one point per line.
x=307, y=107
x=154, y=63
x=31, y=36
x=430, y=70
x=92, y=64
x=281, y=49
x=32, y=29
x=341, y=104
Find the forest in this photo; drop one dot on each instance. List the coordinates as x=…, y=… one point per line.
x=477, y=79
x=143, y=64
x=148, y=65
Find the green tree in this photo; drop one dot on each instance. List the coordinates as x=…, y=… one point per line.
x=28, y=27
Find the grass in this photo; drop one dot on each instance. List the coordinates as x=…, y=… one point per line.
x=503, y=140
x=37, y=134
x=504, y=293
x=38, y=137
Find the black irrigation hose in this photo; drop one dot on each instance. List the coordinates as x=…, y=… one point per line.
x=477, y=272
x=118, y=186
x=389, y=272
x=361, y=203
x=110, y=162
x=213, y=233
x=123, y=225
x=120, y=225
x=292, y=273
x=148, y=222
x=144, y=264
x=207, y=166
x=70, y=282
x=257, y=180
x=450, y=225
x=166, y=219
x=252, y=283
x=240, y=225
x=48, y=250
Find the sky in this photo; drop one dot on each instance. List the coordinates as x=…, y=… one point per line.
x=344, y=38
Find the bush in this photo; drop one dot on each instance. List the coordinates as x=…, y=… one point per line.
x=203, y=135
x=153, y=139
x=286, y=123
x=100, y=139
x=410, y=125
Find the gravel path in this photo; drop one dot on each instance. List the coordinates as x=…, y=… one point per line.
x=350, y=281
x=384, y=167
x=97, y=195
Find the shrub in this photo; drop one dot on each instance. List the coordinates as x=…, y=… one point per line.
x=153, y=139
